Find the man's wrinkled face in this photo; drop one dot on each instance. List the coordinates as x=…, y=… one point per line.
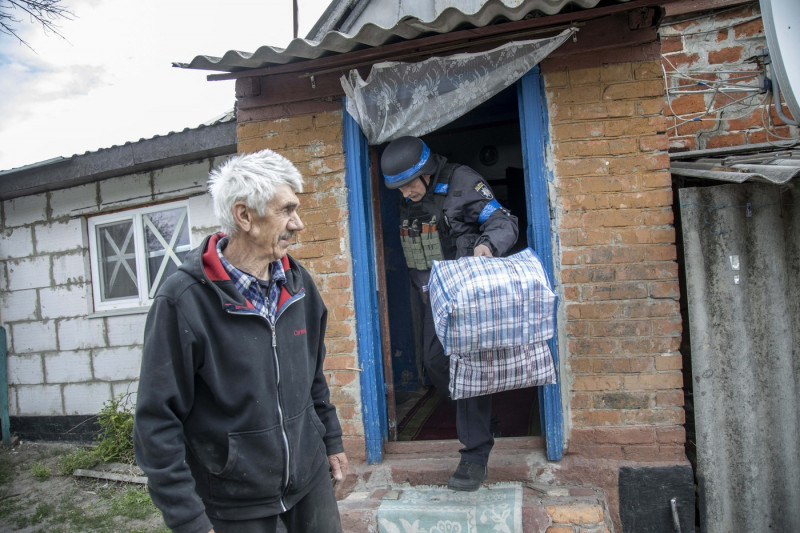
x=416, y=189
x=275, y=232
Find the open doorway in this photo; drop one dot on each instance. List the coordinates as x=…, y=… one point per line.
x=487, y=139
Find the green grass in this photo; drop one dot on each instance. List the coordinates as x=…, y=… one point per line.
x=51, y=500
x=118, y=505
x=6, y=468
x=38, y=492
x=133, y=503
x=80, y=458
x=9, y=509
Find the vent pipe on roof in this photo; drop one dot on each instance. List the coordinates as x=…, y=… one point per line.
x=294, y=18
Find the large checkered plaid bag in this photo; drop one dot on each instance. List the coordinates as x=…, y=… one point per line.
x=490, y=371
x=481, y=303
x=493, y=317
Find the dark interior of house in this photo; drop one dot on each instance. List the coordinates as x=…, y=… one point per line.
x=488, y=140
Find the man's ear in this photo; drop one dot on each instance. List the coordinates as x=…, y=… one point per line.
x=242, y=215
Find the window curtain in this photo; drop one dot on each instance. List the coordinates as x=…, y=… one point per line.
x=400, y=98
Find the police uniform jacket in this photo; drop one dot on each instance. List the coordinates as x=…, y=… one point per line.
x=467, y=213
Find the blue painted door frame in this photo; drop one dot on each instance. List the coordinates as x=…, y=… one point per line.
x=365, y=292
x=533, y=124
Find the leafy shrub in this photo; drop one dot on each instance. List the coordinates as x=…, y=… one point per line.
x=41, y=471
x=115, y=440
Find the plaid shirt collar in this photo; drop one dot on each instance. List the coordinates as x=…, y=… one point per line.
x=262, y=294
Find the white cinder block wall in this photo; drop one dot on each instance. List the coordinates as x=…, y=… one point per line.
x=63, y=358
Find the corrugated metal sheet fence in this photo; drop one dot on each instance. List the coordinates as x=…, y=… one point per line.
x=742, y=259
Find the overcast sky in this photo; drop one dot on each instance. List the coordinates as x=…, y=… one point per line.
x=110, y=80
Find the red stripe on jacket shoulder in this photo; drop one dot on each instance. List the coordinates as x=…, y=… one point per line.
x=213, y=266
x=284, y=293
x=211, y=263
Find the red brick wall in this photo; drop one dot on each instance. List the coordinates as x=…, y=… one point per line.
x=314, y=144
x=715, y=48
x=612, y=201
x=618, y=272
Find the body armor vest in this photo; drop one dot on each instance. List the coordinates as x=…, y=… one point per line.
x=424, y=234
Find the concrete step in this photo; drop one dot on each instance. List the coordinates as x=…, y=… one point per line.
x=547, y=507
x=544, y=509
x=433, y=462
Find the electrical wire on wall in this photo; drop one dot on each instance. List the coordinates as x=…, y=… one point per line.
x=677, y=83
x=754, y=84
x=770, y=127
x=732, y=93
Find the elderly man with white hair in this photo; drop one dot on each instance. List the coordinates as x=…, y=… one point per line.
x=234, y=426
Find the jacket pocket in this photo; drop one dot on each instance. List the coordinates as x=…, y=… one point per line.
x=254, y=469
x=306, y=447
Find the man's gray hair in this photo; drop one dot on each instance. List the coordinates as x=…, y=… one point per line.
x=251, y=178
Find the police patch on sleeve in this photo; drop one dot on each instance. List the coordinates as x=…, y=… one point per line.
x=484, y=191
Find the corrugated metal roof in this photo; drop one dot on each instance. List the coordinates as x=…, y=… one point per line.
x=348, y=16
x=227, y=117
x=373, y=35
x=213, y=138
x=763, y=162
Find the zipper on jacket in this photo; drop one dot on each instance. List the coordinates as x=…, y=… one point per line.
x=280, y=410
x=272, y=325
x=287, y=449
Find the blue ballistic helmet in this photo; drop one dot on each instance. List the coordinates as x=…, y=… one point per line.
x=404, y=160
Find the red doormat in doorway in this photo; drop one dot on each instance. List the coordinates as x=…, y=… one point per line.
x=515, y=411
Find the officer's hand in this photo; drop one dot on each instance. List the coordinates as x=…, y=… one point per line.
x=482, y=251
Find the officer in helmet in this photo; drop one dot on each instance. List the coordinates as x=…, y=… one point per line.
x=449, y=212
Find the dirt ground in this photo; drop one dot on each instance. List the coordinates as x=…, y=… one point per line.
x=34, y=497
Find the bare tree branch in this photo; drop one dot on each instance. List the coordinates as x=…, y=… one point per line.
x=44, y=12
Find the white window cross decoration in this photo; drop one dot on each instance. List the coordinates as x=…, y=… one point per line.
x=133, y=252
x=118, y=258
x=168, y=249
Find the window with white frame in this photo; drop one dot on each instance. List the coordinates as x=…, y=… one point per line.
x=132, y=253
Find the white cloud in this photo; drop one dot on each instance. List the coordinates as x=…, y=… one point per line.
x=110, y=81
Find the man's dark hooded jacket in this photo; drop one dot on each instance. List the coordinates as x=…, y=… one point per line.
x=233, y=418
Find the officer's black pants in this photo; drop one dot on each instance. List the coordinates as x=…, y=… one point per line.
x=473, y=415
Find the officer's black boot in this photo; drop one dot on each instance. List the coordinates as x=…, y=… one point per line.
x=468, y=476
